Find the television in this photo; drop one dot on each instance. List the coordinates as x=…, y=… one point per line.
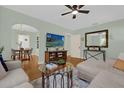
x=53, y=40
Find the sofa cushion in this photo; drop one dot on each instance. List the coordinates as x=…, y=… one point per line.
x=13, y=64
x=119, y=64
x=13, y=78
x=3, y=63
x=106, y=79
x=2, y=71
x=89, y=69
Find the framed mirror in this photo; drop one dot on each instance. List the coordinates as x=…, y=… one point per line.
x=97, y=39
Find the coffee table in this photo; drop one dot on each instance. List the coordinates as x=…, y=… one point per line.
x=62, y=71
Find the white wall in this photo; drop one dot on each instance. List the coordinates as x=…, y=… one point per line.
x=116, y=36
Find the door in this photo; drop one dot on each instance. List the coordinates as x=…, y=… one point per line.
x=75, y=46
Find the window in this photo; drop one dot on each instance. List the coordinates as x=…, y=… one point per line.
x=23, y=41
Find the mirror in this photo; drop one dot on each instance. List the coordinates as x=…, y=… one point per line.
x=96, y=39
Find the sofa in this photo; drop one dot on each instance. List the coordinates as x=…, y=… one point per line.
x=101, y=74
x=107, y=79
x=15, y=77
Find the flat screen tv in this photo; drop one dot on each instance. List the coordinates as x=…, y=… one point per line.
x=53, y=40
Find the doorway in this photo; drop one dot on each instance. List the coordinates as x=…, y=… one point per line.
x=75, y=46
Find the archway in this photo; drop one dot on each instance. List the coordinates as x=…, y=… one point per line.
x=25, y=36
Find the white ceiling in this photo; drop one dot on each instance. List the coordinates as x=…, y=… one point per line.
x=99, y=14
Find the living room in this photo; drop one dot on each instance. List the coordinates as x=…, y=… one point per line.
x=16, y=19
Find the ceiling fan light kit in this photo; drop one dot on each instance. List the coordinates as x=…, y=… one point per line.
x=75, y=9
x=75, y=12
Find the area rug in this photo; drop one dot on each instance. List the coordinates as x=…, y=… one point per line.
x=77, y=83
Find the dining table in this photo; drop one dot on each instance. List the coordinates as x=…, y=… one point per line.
x=21, y=54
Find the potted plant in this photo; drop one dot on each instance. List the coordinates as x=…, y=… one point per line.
x=69, y=66
x=61, y=62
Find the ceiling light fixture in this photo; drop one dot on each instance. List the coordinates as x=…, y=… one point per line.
x=75, y=9
x=75, y=12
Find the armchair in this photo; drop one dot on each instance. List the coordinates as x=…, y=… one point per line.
x=16, y=77
x=13, y=64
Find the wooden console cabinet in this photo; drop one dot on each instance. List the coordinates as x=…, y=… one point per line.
x=55, y=55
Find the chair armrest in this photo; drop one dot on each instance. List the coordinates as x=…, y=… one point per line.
x=14, y=78
x=13, y=64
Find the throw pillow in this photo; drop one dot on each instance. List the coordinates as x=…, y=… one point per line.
x=3, y=63
x=119, y=64
x=2, y=71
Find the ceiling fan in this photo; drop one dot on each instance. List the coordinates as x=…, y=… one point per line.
x=75, y=9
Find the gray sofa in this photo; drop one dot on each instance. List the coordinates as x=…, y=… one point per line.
x=101, y=74
x=108, y=79
x=15, y=77
x=89, y=69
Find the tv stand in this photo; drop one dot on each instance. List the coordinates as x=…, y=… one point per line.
x=51, y=56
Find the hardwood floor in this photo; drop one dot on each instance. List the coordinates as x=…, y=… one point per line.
x=74, y=61
x=31, y=67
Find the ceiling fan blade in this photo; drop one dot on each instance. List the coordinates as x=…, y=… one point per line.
x=80, y=6
x=74, y=16
x=70, y=7
x=84, y=11
x=66, y=13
